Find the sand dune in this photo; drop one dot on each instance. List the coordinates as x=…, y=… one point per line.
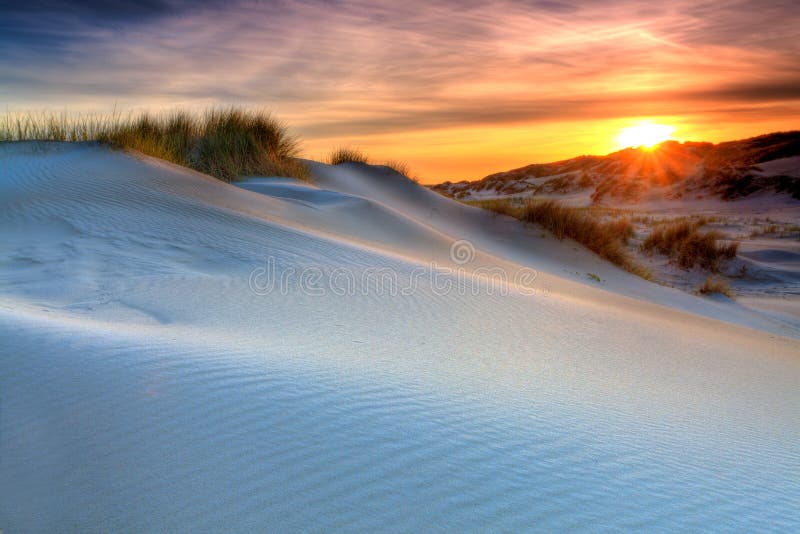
x=506, y=238
x=164, y=365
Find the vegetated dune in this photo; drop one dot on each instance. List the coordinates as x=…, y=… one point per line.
x=179, y=353
x=767, y=164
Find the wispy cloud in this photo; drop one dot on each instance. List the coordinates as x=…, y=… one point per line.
x=338, y=68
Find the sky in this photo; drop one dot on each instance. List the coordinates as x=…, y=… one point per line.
x=458, y=90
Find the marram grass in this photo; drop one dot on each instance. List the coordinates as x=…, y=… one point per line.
x=347, y=155
x=687, y=246
x=226, y=143
x=354, y=155
x=607, y=239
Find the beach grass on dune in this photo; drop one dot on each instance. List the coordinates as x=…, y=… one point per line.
x=607, y=239
x=715, y=285
x=398, y=166
x=226, y=143
x=687, y=246
x=354, y=155
x=403, y=168
x=347, y=155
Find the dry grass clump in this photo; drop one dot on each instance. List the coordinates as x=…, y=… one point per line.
x=167, y=137
x=225, y=143
x=54, y=127
x=687, y=246
x=713, y=284
x=398, y=166
x=402, y=168
x=354, y=155
x=623, y=228
x=666, y=237
x=766, y=230
x=605, y=238
x=503, y=206
x=347, y=155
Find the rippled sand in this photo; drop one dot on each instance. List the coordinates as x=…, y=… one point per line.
x=145, y=384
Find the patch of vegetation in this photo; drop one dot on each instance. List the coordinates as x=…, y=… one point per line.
x=403, y=168
x=733, y=184
x=776, y=230
x=594, y=277
x=347, y=155
x=561, y=185
x=54, y=127
x=682, y=242
x=225, y=143
x=605, y=238
x=787, y=184
x=503, y=206
x=620, y=187
x=585, y=180
x=766, y=230
x=354, y=155
x=643, y=219
x=623, y=228
x=714, y=284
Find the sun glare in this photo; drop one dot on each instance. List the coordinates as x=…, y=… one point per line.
x=645, y=134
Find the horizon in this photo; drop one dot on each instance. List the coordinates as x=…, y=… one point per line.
x=456, y=92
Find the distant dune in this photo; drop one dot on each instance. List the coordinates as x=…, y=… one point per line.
x=670, y=171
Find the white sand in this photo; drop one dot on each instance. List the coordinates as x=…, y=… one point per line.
x=149, y=380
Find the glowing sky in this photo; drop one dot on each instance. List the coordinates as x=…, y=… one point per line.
x=456, y=89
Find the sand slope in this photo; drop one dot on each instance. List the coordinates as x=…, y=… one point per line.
x=506, y=238
x=152, y=378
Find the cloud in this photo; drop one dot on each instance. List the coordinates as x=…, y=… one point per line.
x=354, y=68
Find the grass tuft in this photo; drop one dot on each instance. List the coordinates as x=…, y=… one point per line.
x=606, y=239
x=687, y=246
x=226, y=143
x=400, y=167
x=712, y=285
x=403, y=168
x=354, y=155
x=347, y=155
x=623, y=228
x=603, y=238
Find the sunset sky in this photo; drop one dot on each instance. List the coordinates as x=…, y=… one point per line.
x=456, y=89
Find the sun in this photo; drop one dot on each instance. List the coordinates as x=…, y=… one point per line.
x=644, y=134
